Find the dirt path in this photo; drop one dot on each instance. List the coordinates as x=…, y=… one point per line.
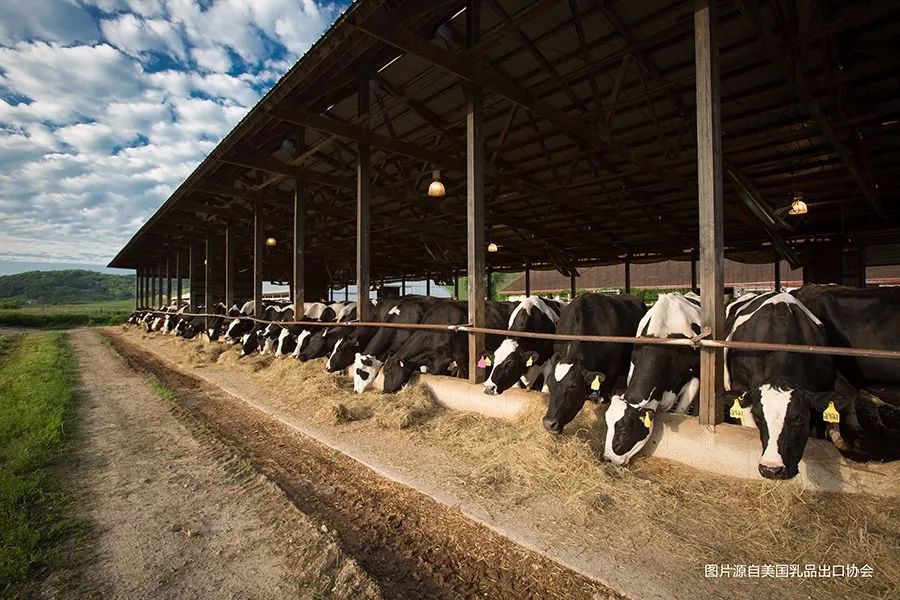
x=174, y=514
x=413, y=546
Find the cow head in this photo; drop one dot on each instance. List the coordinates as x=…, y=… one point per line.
x=302, y=340
x=249, y=343
x=628, y=427
x=286, y=343
x=396, y=374
x=365, y=369
x=570, y=385
x=783, y=415
x=508, y=364
x=237, y=328
x=316, y=345
x=342, y=355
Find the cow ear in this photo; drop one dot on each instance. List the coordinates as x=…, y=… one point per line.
x=594, y=380
x=530, y=359
x=549, y=366
x=735, y=401
x=646, y=416
x=833, y=405
x=486, y=360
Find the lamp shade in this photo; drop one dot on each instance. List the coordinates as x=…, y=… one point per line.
x=436, y=189
x=270, y=241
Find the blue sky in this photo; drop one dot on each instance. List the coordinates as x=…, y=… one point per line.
x=107, y=105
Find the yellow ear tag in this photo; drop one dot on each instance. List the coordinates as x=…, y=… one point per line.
x=595, y=384
x=530, y=361
x=830, y=414
x=487, y=361
x=647, y=419
x=736, y=411
x=324, y=332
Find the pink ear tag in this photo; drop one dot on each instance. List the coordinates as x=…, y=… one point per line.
x=481, y=364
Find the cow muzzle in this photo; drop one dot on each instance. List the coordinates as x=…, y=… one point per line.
x=772, y=472
x=552, y=425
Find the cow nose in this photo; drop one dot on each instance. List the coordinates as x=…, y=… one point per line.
x=552, y=425
x=490, y=390
x=771, y=472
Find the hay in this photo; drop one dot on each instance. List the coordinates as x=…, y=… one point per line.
x=653, y=510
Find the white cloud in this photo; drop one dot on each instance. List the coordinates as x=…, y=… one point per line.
x=136, y=36
x=49, y=20
x=96, y=132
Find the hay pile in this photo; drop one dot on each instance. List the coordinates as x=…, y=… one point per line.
x=653, y=510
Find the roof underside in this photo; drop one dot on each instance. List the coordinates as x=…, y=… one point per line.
x=589, y=129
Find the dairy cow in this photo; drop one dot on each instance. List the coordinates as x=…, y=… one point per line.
x=321, y=344
x=516, y=357
x=783, y=394
x=661, y=378
x=345, y=349
x=368, y=363
x=578, y=370
x=863, y=318
x=442, y=352
x=287, y=336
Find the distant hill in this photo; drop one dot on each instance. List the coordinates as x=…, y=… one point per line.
x=65, y=287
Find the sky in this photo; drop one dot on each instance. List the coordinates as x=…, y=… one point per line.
x=106, y=106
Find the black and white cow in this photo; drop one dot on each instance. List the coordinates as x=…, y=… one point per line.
x=269, y=335
x=863, y=318
x=661, y=378
x=368, y=363
x=578, y=370
x=783, y=394
x=320, y=344
x=288, y=337
x=344, y=353
x=440, y=352
x=516, y=357
x=240, y=324
x=252, y=340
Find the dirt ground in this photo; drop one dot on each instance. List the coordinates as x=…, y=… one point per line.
x=409, y=544
x=173, y=513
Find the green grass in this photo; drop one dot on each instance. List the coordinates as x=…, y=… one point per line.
x=161, y=390
x=37, y=379
x=59, y=316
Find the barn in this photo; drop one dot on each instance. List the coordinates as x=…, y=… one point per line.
x=562, y=134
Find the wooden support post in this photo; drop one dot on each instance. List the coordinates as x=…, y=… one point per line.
x=363, y=185
x=259, y=241
x=347, y=293
x=137, y=289
x=178, y=283
x=628, y=275
x=456, y=287
x=152, y=298
x=527, y=281
x=572, y=289
x=403, y=285
x=207, y=276
x=475, y=199
x=168, y=282
x=427, y=284
x=299, y=291
x=192, y=276
x=777, y=269
x=863, y=278
x=489, y=284
x=709, y=183
x=159, y=281
x=229, y=264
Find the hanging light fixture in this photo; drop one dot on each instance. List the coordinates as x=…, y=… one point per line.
x=270, y=241
x=798, y=206
x=492, y=247
x=436, y=189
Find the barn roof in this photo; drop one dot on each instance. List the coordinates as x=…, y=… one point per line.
x=590, y=135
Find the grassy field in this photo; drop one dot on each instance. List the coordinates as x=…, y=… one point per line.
x=37, y=378
x=111, y=312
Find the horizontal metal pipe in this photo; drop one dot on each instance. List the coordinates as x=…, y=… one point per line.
x=615, y=339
